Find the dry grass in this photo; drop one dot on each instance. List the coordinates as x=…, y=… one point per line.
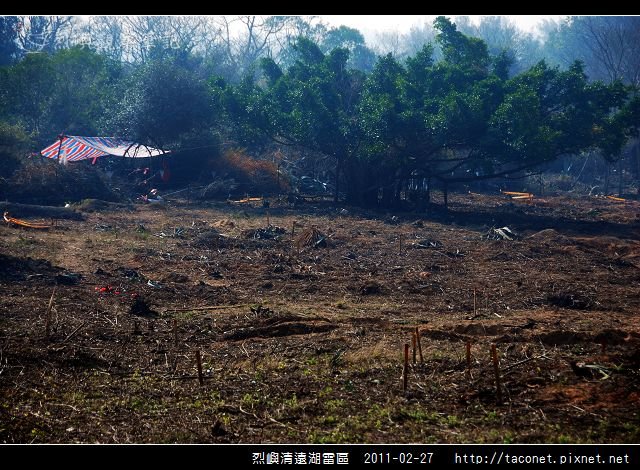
x=315, y=337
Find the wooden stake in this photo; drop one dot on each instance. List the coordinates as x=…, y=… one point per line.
x=47, y=316
x=414, y=340
x=496, y=370
x=293, y=229
x=405, y=370
x=199, y=361
x=469, y=357
x=175, y=333
x=419, y=345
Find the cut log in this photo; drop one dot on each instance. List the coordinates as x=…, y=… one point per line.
x=29, y=210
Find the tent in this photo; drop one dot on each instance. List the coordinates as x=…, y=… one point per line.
x=72, y=148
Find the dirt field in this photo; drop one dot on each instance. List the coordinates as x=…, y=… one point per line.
x=302, y=337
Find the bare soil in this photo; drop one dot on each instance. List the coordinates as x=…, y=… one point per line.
x=302, y=335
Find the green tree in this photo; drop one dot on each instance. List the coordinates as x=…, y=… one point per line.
x=311, y=105
x=84, y=83
x=64, y=92
x=9, y=50
x=360, y=56
x=30, y=87
x=162, y=103
x=461, y=120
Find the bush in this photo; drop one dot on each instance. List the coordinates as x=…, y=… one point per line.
x=38, y=181
x=14, y=142
x=250, y=175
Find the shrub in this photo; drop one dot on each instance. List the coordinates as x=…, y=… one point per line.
x=250, y=175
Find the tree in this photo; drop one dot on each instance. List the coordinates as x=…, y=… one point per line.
x=360, y=56
x=30, y=90
x=84, y=87
x=311, y=105
x=42, y=33
x=161, y=104
x=63, y=92
x=458, y=121
x=383, y=112
x=417, y=37
x=9, y=49
x=242, y=51
x=108, y=37
x=504, y=39
x=609, y=46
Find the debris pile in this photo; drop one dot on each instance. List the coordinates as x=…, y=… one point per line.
x=270, y=232
x=311, y=237
x=503, y=233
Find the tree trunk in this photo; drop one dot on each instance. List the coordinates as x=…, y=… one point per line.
x=388, y=192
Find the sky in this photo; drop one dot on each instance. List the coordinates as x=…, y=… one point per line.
x=369, y=24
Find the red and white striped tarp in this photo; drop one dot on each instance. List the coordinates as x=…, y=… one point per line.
x=74, y=148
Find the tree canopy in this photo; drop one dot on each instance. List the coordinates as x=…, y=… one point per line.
x=456, y=109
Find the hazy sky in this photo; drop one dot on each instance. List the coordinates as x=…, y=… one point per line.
x=369, y=24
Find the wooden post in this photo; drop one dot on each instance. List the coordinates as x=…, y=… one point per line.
x=414, y=340
x=469, y=357
x=405, y=370
x=496, y=370
x=47, y=317
x=199, y=361
x=419, y=345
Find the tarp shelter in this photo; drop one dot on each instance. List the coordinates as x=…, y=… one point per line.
x=72, y=148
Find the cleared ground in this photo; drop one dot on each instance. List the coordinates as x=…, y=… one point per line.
x=302, y=335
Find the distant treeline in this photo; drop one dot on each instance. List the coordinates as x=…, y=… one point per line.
x=377, y=127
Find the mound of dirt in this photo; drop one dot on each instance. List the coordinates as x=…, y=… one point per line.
x=176, y=277
x=371, y=288
x=570, y=300
x=211, y=239
x=224, y=223
x=14, y=269
x=140, y=307
x=549, y=237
